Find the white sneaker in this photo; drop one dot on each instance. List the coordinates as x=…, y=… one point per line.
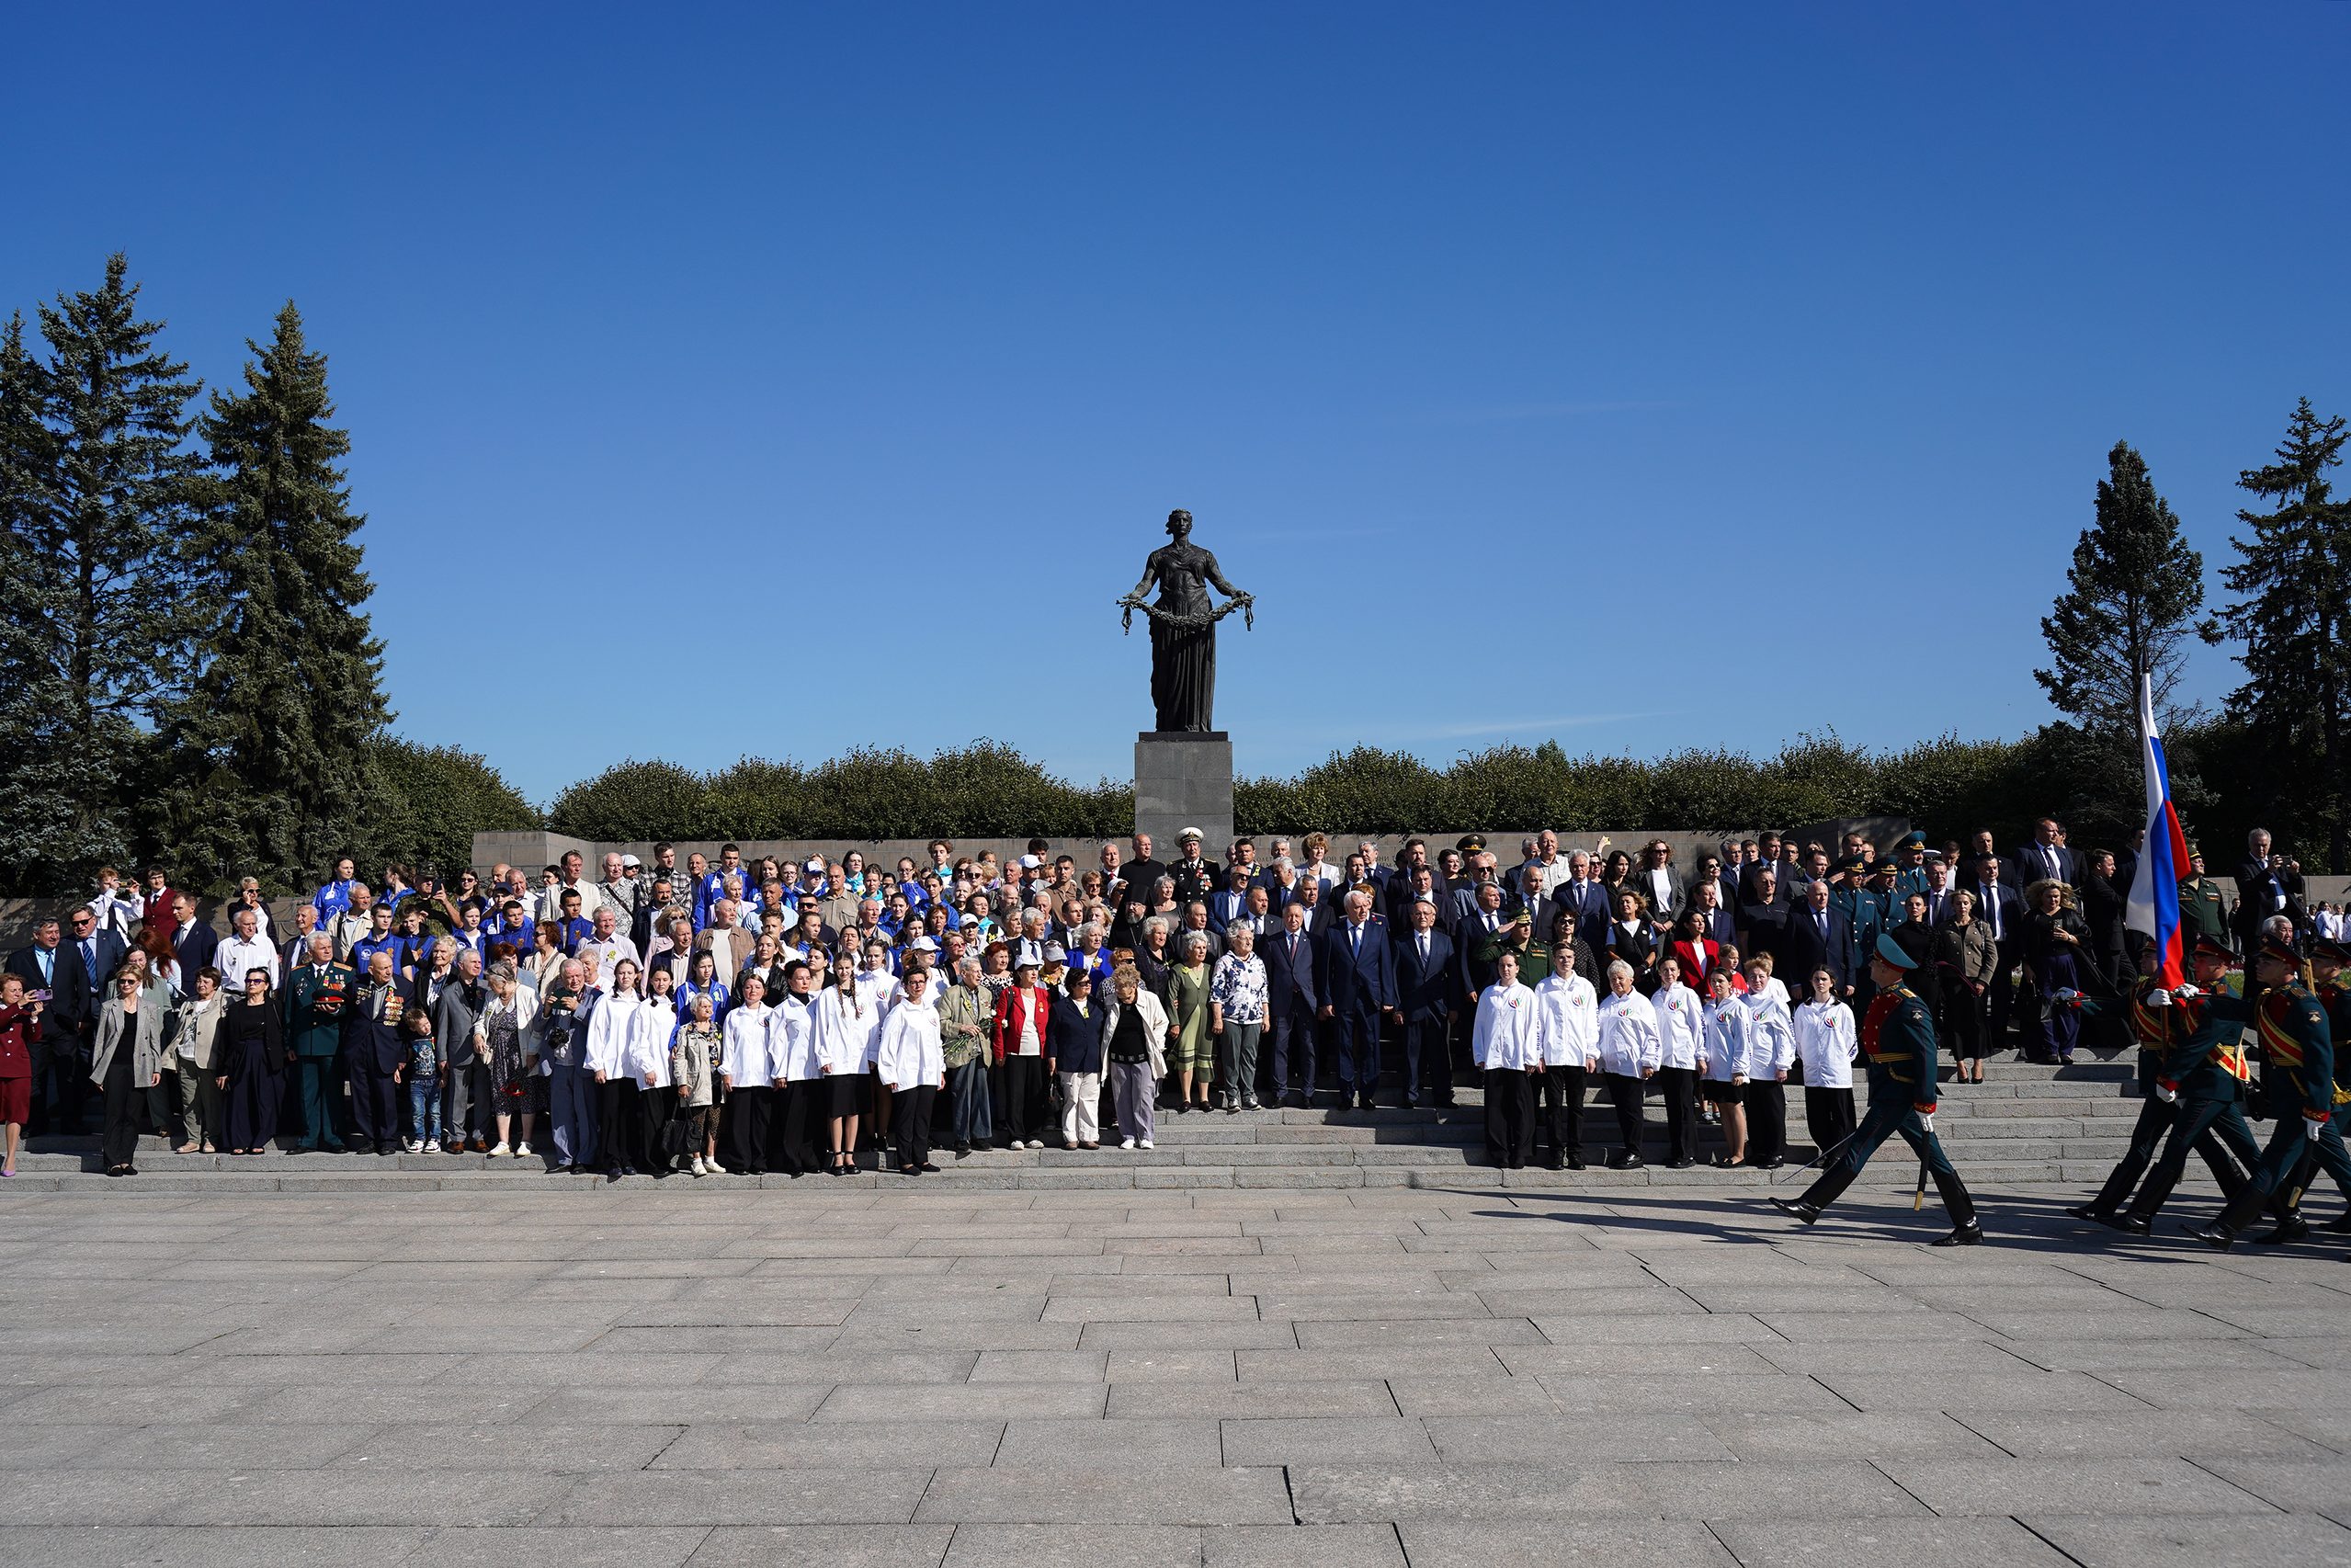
x=1036, y=1142
x=522, y=1151
x=1147, y=1143
x=696, y=1166
x=409, y=1145
x=1125, y=1144
x=498, y=1149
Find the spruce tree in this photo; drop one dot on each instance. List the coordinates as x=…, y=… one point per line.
x=103, y=604
x=2130, y=605
x=272, y=746
x=2293, y=581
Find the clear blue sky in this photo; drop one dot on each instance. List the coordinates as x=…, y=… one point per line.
x=872, y=345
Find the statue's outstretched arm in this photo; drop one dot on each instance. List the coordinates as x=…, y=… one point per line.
x=1215, y=574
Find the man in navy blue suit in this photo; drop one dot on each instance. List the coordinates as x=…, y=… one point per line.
x=193, y=941
x=90, y=956
x=1231, y=902
x=1424, y=983
x=1359, y=989
x=1818, y=935
x=1293, y=996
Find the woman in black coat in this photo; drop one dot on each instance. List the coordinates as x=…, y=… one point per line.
x=2056, y=937
x=249, y=1050
x=1916, y=937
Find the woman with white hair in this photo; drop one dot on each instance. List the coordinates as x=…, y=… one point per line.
x=1629, y=1051
x=1237, y=1006
x=1192, y=1051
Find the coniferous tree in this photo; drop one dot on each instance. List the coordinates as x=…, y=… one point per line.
x=2130, y=605
x=2293, y=581
x=271, y=773
x=102, y=602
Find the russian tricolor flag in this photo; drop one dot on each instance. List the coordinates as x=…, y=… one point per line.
x=2154, y=907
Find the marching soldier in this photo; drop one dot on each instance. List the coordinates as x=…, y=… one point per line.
x=2297, y=1075
x=2161, y=1020
x=2327, y=1152
x=1898, y=1045
x=2203, y=1077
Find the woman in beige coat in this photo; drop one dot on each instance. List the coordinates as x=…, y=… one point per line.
x=126, y=1062
x=193, y=1025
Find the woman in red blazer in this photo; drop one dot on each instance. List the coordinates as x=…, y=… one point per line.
x=1695, y=951
x=1024, y=1012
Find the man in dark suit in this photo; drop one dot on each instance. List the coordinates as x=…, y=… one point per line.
x=2046, y=857
x=1763, y=920
x=1232, y=902
x=1424, y=982
x=90, y=954
x=1319, y=917
x=1293, y=997
x=1360, y=988
x=1817, y=935
x=1706, y=900
x=42, y=966
x=373, y=1054
x=193, y=941
x=1998, y=907
x=2268, y=884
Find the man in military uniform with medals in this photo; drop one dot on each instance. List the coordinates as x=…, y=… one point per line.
x=1898, y=1044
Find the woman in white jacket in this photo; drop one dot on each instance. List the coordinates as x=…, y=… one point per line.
x=912, y=1061
x=803, y=1095
x=1775, y=1053
x=1506, y=1045
x=747, y=1075
x=1567, y=1019
x=647, y=1065
x=1134, y=1035
x=1681, y=1028
x=1827, y=1043
x=610, y=1030
x=1629, y=1050
x=1730, y=1063
x=843, y=1022
x=877, y=994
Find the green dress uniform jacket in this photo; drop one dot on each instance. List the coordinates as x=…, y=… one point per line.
x=2202, y=910
x=314, y=1025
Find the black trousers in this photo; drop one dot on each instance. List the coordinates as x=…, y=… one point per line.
x=2156, y=1117
x=377, y=1114
x=1425, y=1052
x=656, y=1106
x=620, y=1125
x=1293, y=1031
x=1829, y=1116
x=791, y=1109
x=1027, y=1110
x=1561, y=1093
x=1678, y=1087
x=743, y=1132
x=1767, y=1102
x=910, y=1124
x=121, y=1138
x=1510, y=1116
x=1628, y=1094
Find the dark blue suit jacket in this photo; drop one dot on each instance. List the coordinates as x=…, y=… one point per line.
x=79, y=986
x=1801, y=950
x=1359, y=977
x=1075, y=1041
x=1291, y=987
x=194, y=944
x=1425, y=991
x=1225, y=908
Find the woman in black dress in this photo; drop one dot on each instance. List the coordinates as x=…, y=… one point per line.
x=2055, y=937
x=250, y=1051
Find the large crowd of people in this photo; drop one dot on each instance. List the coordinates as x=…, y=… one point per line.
x=746, y=1016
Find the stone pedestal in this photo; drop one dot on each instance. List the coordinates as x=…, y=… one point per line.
x=1184, y=779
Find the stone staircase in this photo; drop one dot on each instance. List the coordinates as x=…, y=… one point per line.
x=2024, y=1123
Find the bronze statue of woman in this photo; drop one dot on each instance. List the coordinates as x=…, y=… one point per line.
x=1183, y=626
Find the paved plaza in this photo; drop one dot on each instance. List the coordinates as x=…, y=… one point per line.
x=578, y=1376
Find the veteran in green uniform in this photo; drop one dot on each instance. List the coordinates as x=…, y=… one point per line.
x=317, y=995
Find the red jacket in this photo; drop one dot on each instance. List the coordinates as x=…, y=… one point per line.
x=16, y=1057
x=1012, y=1009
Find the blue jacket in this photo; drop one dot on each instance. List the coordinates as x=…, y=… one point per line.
x=1290, y=987
x=1425, y=991
x=1360, y=977
x=1074, y=1040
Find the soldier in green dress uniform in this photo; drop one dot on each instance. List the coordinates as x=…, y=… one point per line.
x=316, y=996
x=2327, y=1152
x=2160, y=1022
x=2298, y=1059
x=2202, y=911
x=1898, y=1043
